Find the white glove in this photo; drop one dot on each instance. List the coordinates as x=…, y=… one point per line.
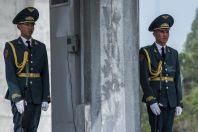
x=44, y=106
x=155, y=109
x=20, y=106
x=178, y=111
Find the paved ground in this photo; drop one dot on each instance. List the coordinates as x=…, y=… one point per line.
x=7, y=126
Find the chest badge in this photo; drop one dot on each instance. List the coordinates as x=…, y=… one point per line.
x=6, y=53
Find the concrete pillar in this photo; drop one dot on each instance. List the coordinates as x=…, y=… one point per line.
x=111, y=85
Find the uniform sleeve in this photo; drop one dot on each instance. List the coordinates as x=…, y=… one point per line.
x=149, y=97
x=178, y=83
x=45, y=78
x=11, y=78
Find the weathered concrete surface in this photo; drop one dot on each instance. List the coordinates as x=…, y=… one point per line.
x=112, y=56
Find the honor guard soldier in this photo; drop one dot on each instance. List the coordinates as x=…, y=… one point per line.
x=26, y=67
x=160, y=77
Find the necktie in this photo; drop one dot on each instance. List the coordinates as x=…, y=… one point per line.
x=28, y=42
x=163, y=53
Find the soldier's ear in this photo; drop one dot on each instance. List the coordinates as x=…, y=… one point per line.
x=18, y=26
x=153, y=33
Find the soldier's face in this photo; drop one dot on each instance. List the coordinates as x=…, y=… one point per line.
x=161, y=36
x=26, y=29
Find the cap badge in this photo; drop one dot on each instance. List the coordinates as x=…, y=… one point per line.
x=164, y=25
x=29, y=18
x=30, y=9
x=165, y=17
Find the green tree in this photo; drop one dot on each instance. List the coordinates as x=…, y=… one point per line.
x=188, y=59
x=188, y=121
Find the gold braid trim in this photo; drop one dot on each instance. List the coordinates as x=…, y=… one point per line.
x=159, y=67
x=15, y=95
x=150, y=98
x=25, y=58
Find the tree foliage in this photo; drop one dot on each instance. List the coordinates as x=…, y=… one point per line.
x=188, y=121
x=188, y=59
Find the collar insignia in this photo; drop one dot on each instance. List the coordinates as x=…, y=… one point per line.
x=19, y=42
x=155, y=50
x=168, y=50
x=36, y=43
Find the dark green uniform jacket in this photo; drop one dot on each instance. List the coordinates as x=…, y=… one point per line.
x=38, y=87
x=170, y=93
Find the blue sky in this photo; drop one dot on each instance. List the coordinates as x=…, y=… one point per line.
x=183, y=12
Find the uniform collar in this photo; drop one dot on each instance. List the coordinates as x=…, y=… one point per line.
x=159, y=47
x=24, y=41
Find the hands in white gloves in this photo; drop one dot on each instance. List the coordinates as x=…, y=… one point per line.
x=155, y=109
x=44, y=106
x=178, y=111
x=20, y=106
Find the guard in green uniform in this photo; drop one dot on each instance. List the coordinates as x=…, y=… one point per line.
x=26, y=67
x=160, y=77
